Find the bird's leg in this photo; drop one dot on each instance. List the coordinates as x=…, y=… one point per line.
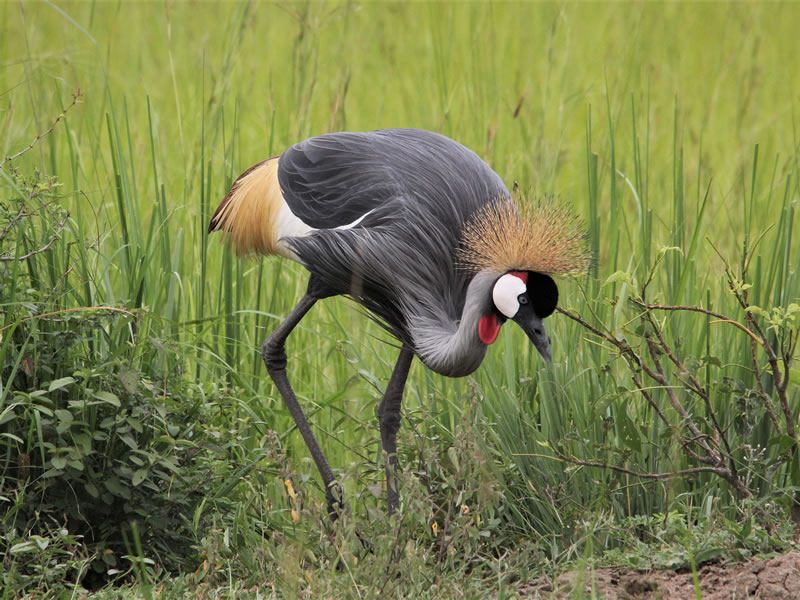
x=389, y=419
x=274, y=355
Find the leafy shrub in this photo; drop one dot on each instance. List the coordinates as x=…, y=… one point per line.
x=94, y=439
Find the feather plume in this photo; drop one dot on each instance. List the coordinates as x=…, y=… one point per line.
x=547, y=238
x=249, y=211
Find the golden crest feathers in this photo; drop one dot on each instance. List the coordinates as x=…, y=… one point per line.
x=546, y=238
x=249, y=211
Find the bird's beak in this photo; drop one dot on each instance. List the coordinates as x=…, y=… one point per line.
x=533, y=327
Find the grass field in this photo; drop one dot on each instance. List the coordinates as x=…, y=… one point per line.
x=144, y=444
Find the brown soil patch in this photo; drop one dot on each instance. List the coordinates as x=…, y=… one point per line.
x=773, y=579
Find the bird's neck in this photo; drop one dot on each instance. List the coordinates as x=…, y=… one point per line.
x=453, y=348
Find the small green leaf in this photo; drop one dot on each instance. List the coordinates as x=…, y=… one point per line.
x=60, y=383
x=109, y=558
x=59, y=462
x=617, y=277
x=22, y=547
x=795, y=469
x=784, y=441
x=129, y=441
x=41, y=542
x=84, y=442
x=108, y=397
x=453, y=456
x=628, y=431
x=11, y=436
x=139, y=476
x=747, y=528
x=63, y=415
x=115, y=487
x=664, y=249
x=8, y=415
x=129, y=378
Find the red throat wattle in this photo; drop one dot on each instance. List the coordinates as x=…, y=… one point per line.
x=488, y=328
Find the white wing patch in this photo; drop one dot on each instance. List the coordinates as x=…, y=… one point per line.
x=289, y=224
x=505, y=294
x=356, y=222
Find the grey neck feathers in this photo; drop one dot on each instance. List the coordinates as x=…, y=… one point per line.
x=453, y=348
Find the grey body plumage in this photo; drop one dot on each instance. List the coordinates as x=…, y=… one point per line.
x=413, y=191
x=383, y=217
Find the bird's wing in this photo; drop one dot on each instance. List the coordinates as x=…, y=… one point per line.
x=334, y=180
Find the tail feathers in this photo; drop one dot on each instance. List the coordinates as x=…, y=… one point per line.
x=249, y=211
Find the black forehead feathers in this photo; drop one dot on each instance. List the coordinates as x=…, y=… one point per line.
x=542, y=293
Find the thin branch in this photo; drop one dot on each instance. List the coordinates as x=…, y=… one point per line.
x=696, y=387
x=21, y=214
x=638, y=383
x=699, y=309
x=660, y=376
x=787, y=359
x=720, y=317
x=30, y=146
x=767, y=348
x=598, y=465
x=70, y=310
x=38, y=251
x=780, y=383
x=754, y=357
x=735, y=323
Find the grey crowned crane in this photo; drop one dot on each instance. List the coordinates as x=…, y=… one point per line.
x=418, y=230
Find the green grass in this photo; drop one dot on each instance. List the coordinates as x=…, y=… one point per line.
x=664, y=125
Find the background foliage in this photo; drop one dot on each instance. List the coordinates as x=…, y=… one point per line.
x=143, y=436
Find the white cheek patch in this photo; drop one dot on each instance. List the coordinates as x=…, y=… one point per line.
x=505, y=294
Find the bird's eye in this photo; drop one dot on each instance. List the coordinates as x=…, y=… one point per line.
x=522, y=299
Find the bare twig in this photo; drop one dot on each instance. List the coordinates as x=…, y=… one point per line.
x=693, y=471
x=720, y=318
x=754, y=357
x=660, y=376
x=640, y=388
x=70, y=310
x=695, y=386
x=21, y=214
x=30, y=146
x=44, y=248
x=699, y=309
x=779, y=380
x=442, y=544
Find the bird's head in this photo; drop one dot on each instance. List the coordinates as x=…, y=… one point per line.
x=518, y=251
x=527, y=298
